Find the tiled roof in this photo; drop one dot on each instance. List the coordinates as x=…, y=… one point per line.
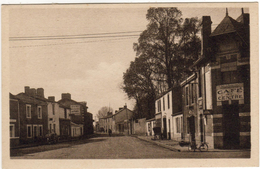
x=227, y=25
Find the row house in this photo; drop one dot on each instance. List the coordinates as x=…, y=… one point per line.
x=216, y=106
x=14, y=117
x=78, y=115
x=32, y=117
x=168, y=113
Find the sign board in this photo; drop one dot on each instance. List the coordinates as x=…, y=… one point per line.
x=75, y=109
x=230, y=92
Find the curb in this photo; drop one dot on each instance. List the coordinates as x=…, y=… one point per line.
x=159, y=144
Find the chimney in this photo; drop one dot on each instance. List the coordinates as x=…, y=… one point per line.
x=205, y=32
x=125, y=107
x=27, y=90
x=116, y=111
x=83, y=103
x=40, y=92
x=32, y=92
x=51, y=98
x=66, y=96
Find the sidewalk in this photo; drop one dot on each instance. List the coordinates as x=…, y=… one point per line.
x=174, y=145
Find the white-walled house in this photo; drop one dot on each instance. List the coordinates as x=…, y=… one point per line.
x=53, y=116
x=168, y=113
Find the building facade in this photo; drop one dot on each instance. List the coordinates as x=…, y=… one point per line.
x=14, y=121
x=168, y=113
x=123, y=121
x=224, y=82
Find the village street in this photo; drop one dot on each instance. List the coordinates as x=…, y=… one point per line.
x=115, y=147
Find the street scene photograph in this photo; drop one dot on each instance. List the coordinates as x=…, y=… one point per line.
x=129, y=82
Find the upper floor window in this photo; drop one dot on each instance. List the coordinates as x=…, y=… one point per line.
x=159, y=105
x=53, y=109
x=187, y=95
x=39, y=112
x=28, y=111
x=200, y=83
x=168, y=96
x=192, y=93
x=163, y=104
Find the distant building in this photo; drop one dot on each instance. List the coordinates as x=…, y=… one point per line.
x=78, y=113
x=122, y=121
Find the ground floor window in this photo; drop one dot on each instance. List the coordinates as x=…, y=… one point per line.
x=40, y=130
x=29, y=131
x=178, y=124
x=12, y=130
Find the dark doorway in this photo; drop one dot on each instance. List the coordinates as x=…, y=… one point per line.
x=231, y=126
x=169, y=122
x=192, y=127
x=164, y=128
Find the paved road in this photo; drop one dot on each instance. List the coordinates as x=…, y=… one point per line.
x=120, y=147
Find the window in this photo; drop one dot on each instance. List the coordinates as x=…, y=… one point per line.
x=187, y=95
x=29, y=131
x=35, y=130
x=12, y=130
x=40, y=130
x=39, y=112
x=229, y=77
x=200, y=83
x=178, y=130
x=193, y=93
x=53, y=109
x=168, y=96
x=159, y=105
x=163, y=104
x=28, y=111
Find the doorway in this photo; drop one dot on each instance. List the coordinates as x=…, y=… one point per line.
x=164, y=128
x=231, y=126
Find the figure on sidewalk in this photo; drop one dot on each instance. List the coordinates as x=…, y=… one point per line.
x=110, y=132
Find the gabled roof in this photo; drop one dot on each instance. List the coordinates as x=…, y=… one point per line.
x=227, y=25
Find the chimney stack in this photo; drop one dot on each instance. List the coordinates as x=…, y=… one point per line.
x=205, y=32
x=32, y=92
x=51, y=98
x=27, y=90
x=40, y=92
x=66, y=96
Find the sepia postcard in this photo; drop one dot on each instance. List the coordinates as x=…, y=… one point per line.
x=148, y=85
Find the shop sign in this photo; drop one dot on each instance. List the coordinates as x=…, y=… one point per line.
x=230, y=92
x=75, y=109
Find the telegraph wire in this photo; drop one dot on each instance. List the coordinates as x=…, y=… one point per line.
x=69, y=43
x=60, y=36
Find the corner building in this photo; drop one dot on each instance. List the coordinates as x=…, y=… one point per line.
x=223, y=72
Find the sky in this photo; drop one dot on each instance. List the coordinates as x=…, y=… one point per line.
x=90, y=69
